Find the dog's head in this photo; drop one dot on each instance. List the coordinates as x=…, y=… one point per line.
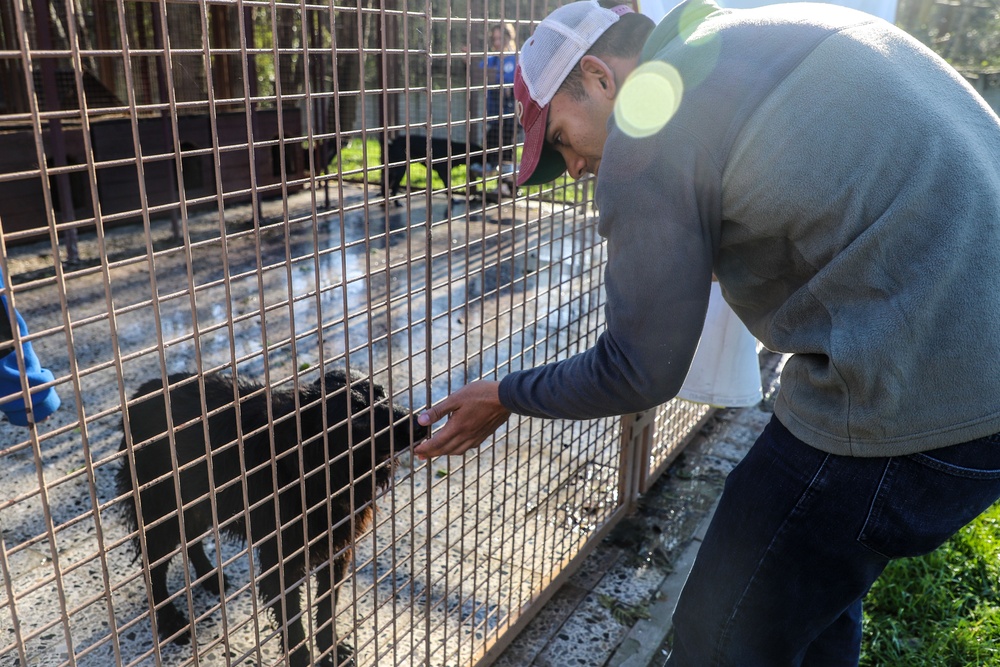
x=377, y=429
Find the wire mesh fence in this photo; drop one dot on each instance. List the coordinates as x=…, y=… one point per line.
x=240, y=321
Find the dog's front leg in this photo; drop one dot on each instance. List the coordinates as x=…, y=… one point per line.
x=273, y=597
x=195, y=525
x=160, y=541
x=171, y=624
x=327, y=610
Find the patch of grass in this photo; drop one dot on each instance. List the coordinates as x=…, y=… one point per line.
x=942, y=609
x=358, y=158
x=563, y=189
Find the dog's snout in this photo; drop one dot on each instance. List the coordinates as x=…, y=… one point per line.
x=419, y=432
x=407, y=430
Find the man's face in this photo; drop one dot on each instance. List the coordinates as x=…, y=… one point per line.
x=578, y=128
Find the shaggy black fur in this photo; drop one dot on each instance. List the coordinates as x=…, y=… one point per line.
x=399, y=151
x=293, y=464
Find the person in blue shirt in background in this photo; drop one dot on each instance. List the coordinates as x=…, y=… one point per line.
x=42, y=403
x=498, y=70
x=501, y=133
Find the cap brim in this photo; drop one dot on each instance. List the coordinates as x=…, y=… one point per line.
x=550, y=167
x=540, y=163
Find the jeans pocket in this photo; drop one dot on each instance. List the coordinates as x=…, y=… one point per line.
x=923, y=499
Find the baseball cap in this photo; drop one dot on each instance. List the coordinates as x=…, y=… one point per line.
x=547, y=58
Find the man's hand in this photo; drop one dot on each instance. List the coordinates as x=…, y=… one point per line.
x=474, y=412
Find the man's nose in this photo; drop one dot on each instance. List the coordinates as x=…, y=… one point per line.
x=576, y=165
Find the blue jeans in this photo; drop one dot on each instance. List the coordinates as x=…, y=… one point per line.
x=800, y=536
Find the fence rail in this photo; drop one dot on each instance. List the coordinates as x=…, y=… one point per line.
x=190, y=196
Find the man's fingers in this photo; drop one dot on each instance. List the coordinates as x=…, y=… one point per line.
x=441, y=443
x=451, y=440
x=435, y=413
x=428, y=416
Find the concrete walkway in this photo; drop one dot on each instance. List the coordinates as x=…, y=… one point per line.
x=616, y=610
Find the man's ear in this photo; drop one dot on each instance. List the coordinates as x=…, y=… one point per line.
x=598, y=76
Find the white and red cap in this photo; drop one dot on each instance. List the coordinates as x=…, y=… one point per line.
x=547, y=58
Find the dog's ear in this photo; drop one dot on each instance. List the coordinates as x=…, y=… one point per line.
x=364, y=387
x=334, y=379
x=378, y=392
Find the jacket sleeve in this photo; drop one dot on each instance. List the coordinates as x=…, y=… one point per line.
x=40, y=404
x=659, y=202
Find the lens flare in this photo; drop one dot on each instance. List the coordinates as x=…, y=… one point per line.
x=648, y=99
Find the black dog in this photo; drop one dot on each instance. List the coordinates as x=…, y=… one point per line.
x=402, y=151
x=355, y=456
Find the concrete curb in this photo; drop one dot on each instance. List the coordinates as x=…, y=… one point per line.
x=641, y=646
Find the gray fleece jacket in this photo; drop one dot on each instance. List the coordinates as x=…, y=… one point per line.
x=843, y=183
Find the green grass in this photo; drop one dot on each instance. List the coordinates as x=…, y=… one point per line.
x=357, y=158
x=942, y=609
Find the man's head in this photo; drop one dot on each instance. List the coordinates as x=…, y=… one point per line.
x=567, y=77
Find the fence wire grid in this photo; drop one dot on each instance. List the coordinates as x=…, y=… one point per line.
x=241, y=321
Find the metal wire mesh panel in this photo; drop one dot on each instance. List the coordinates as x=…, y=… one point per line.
x=457, y=548
x=249, y=239
x=675, y=422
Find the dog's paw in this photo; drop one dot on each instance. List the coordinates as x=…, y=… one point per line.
x=345, y=657
x=173, y=627
x=300, y=658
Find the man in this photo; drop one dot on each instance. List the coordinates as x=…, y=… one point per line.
x=843, y=184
